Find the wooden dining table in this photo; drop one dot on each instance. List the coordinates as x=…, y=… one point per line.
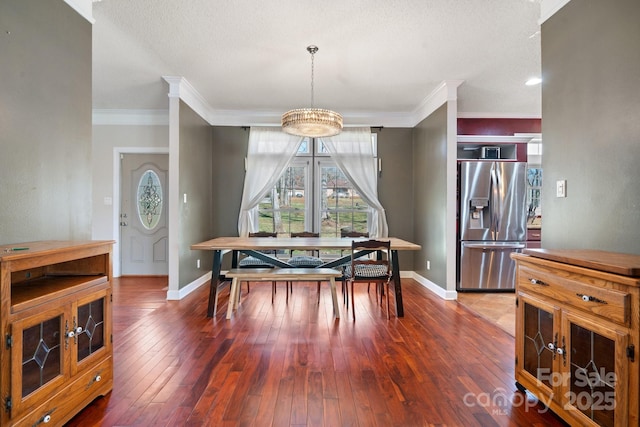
x=254, y=246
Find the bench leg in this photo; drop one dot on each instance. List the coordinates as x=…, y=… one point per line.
x=232, y=297
x=334, y=297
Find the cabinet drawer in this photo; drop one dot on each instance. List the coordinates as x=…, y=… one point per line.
x=534, y=234
x=581, y=292
x=60, y=408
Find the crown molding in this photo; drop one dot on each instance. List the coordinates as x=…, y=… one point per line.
x=548, y=8
x=446, y=91
x=83, y=7
x=180, y=88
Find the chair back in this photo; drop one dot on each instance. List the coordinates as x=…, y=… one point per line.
x=306, y=234
x=263, y=234
x=353, y=234
x=360, y=266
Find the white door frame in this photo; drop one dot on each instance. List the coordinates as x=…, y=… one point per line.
x=117, y=152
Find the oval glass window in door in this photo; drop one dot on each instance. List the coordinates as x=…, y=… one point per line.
x=149, y=199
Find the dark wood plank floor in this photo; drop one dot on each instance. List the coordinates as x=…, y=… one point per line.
x=295, y=365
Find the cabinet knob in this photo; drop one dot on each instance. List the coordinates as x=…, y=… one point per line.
x=589, y=298
x=46, y=418
x=98, y=378
x=537, y=282
x=78, y=330
x=71, y=334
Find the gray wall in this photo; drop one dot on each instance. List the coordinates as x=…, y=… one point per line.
x=45, y=122
x=430, y=196
x=395, y=185
x=229, y=151
x=195, y=181
x=591, y=126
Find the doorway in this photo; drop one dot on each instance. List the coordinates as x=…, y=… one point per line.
x=143, y=214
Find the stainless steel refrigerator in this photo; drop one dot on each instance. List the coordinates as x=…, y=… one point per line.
x=492, y=224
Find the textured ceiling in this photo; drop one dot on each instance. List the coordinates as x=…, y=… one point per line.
x=375, y=58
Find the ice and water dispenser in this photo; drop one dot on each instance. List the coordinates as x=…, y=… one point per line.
x=479, y=210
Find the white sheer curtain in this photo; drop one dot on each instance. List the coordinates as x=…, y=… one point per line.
x=353, y=153
x=270, y=151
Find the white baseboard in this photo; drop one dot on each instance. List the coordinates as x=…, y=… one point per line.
x=183, y=292
x=441, y=292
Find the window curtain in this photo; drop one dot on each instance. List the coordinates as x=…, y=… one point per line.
x=352, y=151
x=270, y=151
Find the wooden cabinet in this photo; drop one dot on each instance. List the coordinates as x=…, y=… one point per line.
x=55, y=316
x=578, y=332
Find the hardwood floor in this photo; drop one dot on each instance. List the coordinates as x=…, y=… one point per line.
x=295, y=365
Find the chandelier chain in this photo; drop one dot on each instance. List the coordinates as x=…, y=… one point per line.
x=312, y=50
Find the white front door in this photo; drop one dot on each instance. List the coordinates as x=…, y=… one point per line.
x=143, y=216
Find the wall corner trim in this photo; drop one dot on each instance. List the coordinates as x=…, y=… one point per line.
x=179, y=87
x=446, y=91
x=83, y=7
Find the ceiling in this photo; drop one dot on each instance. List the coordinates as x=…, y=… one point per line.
x=377, y=59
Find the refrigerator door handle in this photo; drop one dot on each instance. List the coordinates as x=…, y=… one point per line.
x=493, y=205
x=494, y=247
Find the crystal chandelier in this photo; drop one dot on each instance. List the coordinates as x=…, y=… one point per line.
x=312, y=122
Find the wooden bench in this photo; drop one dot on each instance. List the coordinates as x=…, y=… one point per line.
x=280, y=274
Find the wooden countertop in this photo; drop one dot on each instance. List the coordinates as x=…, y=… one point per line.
x=611, y=262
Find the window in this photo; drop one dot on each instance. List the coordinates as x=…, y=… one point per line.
x=313, y=195
x=341, y=207
x=284, y=209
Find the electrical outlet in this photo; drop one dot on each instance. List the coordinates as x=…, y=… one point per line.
x=428, y=265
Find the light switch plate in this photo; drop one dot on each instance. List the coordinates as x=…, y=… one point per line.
x=561, y=188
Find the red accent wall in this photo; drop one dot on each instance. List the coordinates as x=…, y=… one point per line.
x=498, y=126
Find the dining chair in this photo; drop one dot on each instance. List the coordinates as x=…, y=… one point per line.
x=311, y=259
x=345, y=233
x=370, y=270
x=253, y=262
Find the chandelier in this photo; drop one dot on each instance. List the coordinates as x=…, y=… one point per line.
x=312, y=122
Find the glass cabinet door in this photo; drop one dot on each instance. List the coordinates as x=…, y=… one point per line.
x=37, y=356
x=596, y=384
x=540, y=338
x=90, y=320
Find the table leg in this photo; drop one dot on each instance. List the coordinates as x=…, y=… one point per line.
x=215, y=282
x=232, y=297
x=334, y=296
x=236, y=295
x=397, y=288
